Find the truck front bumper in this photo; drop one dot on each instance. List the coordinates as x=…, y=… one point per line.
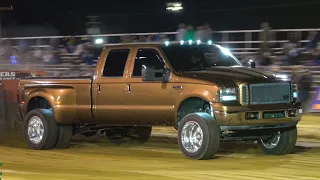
x=242, y=117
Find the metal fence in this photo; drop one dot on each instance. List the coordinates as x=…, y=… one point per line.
x=238, y=41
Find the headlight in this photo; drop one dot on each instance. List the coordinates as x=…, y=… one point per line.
x=295, y=91
x=227, y=94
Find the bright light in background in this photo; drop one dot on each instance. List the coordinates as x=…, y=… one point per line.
x=166, y=43
x=209, y=42
x=198, y=41
x=224, y=50
x=99, y=41
x=190, y=42
x=181, y=42
x=174, y=6
x=282, y=76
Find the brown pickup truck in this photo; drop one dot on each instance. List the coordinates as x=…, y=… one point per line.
x=202, y=90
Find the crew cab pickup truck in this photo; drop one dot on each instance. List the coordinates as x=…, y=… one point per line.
x=202, y=90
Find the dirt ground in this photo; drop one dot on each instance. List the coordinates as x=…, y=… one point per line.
x=308, y=128
x=160, y=158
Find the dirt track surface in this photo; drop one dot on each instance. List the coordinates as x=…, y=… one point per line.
x=160, y=158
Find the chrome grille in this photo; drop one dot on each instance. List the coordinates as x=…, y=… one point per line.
x=266, y=93
x=245, y=94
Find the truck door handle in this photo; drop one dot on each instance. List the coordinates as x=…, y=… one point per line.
x=128, y=88
x=99, y=88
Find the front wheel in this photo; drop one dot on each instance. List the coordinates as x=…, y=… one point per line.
x=283, y=142
x=199, y=136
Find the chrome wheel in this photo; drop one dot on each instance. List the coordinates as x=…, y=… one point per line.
x=272, y=142
x=191, y=136
x=35, y=130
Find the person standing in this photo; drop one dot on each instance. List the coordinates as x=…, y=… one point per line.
x=200, y=34
x=180, y=32
x=189, y=34
x=265, y=46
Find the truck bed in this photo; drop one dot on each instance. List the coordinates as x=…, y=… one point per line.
x=55, y=77
x=70, y=97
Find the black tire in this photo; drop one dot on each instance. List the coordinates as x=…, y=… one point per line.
x=210, y=137
x=140, y=133
x=119, y=135
x=49, y=126
x=64, y=136
x=285, y=144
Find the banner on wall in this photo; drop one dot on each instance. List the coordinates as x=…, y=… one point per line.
x=12, y=75
x=10, y=81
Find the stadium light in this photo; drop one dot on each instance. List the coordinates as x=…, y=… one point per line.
x=174, y=6
x=98, y=41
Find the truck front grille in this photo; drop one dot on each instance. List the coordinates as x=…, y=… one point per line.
x=266, y=93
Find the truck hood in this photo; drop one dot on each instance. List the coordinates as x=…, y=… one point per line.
x=232, y=76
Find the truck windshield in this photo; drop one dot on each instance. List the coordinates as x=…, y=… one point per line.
x=198, y=57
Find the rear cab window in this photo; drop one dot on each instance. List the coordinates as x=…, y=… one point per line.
x=115, y=62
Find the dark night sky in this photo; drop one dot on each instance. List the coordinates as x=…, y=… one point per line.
x=119, y=16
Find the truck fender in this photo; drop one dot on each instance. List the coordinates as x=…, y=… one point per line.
x=43, y=94
x=206, y=96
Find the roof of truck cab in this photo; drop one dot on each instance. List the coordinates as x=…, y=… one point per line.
x=140, y=44
x=150, y=44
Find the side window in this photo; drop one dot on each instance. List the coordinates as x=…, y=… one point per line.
x=148, y=58
x=115, y=63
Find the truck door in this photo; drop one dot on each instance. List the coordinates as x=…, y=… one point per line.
x=109, y=100
x=147, y=102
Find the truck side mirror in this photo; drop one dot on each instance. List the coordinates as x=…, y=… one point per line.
x=252, y=64
x=166, y=75
x=147, y=74
x=150, y=74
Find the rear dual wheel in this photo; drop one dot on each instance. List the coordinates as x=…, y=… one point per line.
x=41, y=131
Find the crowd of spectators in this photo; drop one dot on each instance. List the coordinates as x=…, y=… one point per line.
x=293, y=52
x=84, y=50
